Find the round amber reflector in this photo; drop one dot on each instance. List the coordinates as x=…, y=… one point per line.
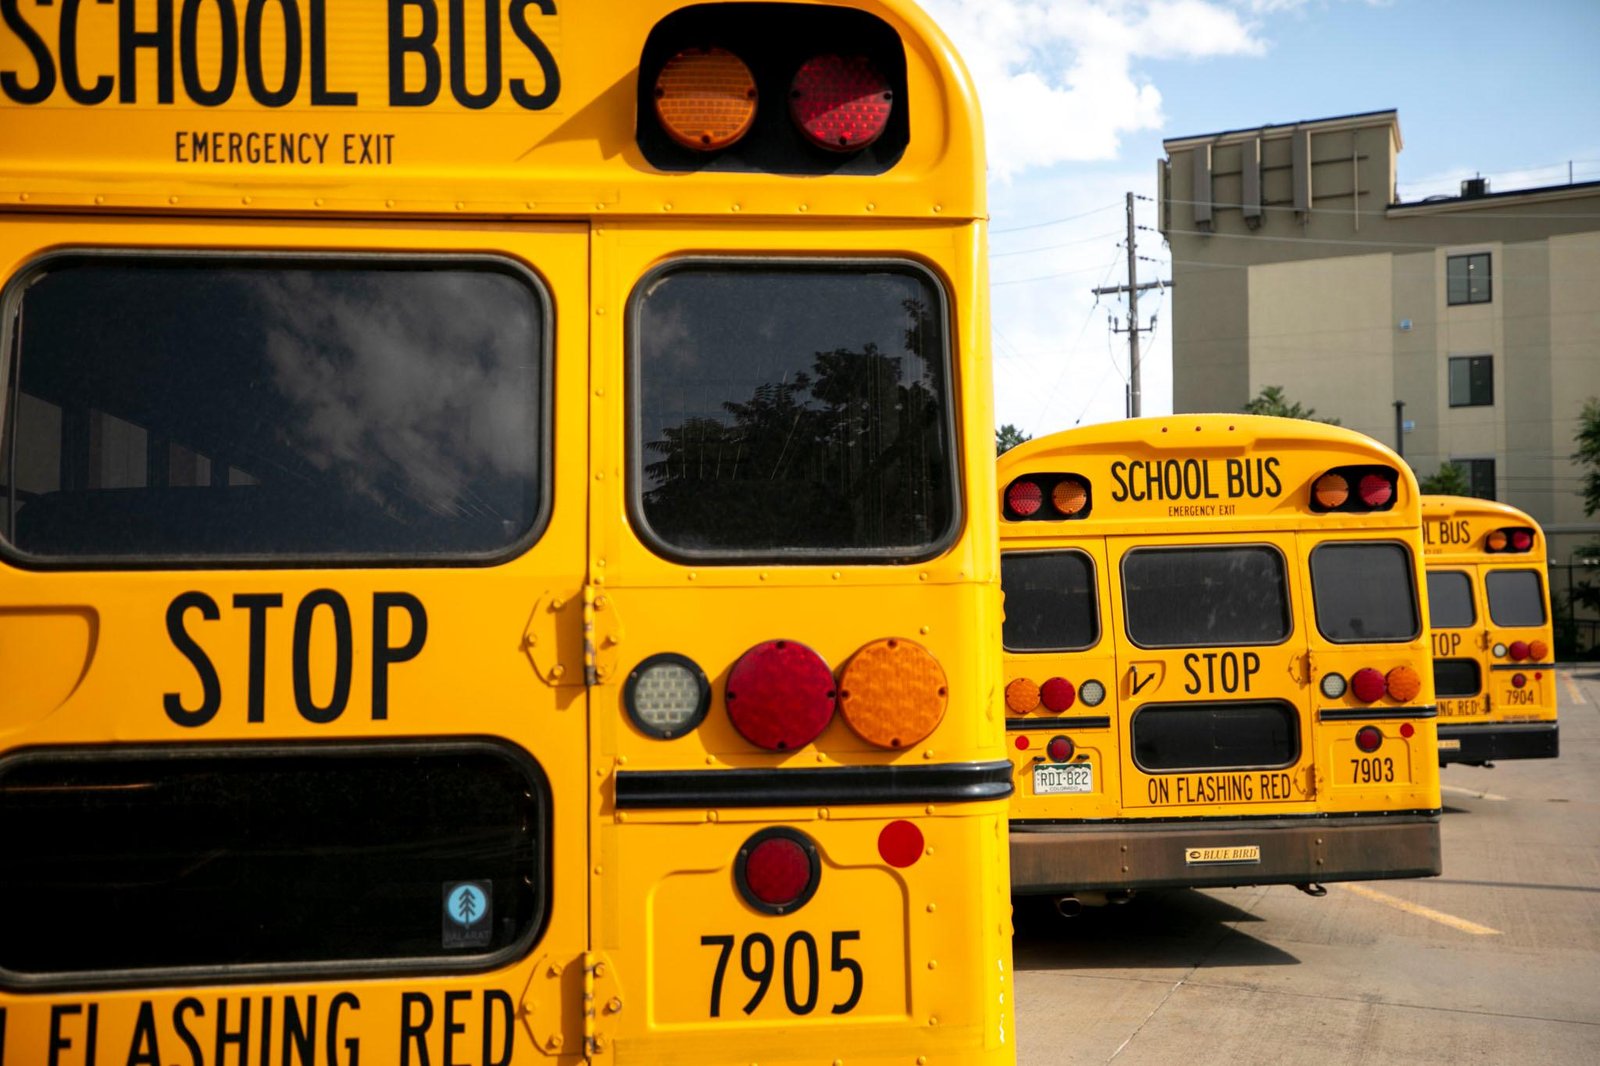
x=840, y=103
x=1366, y=684
x=1539, y=650
x=1331, y=490
x=705, y=98
x=1376, y=491
x=1060, y=749
x=777, y=870
x=900, y=843
x=1518, y=680
x=1403, y=683
x=1022, y=695
x=893, y=692
x=780, y=695
x=1024, y=498
x=1519, y=650
x=1057, y=694
x=1369, y=738
x=1496, y=541
x=1069, y=496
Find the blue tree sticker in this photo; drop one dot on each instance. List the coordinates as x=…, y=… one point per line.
x=467, y=912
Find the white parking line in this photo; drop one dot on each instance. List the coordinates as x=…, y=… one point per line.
x=1573, y=690
x=1420, y=911
x=1474, y=793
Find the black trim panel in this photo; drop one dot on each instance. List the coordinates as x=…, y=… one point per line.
x=1483, y=742
x=1071, y=721
x=1522, y=666
x=841, y=786
x=1358, y=714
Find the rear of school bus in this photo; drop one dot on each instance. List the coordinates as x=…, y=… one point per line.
x=1215, y=658
x=496, y=564
x=1493, y=640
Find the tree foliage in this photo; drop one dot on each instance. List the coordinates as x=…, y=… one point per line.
x=1450, y=480
x=1008, y=437
x=1588, y=454
x=1271, y=401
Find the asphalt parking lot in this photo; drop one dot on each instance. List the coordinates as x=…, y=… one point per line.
x=1496, y=961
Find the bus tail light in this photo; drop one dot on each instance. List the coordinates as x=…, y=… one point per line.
x=1355, y=489
x=1023, y=499
x=893, y=692
x=1403, y=684
x=1518, y=650
x=1369, y=738
x=666, y=695
x=1057, y=694
x=1538, y=650
x=1375, y=491
x=1069, y=495
x=1518, y=680
x=777, y=870
x=1092, y=693
x=780, y=695
x=1333, y=685
x=841, y=103
x=1022, y=695
x=1060, y=749
x=1330, y=492
x=705, y=98
x=1367, y=685
x=1510, y=539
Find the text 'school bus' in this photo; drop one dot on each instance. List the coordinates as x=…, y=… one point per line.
x=1493, y=648
x=1216, y=658
x=496, y=562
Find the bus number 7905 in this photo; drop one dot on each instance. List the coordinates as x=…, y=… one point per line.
x=760, y=971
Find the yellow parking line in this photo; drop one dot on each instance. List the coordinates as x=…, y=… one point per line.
x=1573, y=690
x=1420, y=911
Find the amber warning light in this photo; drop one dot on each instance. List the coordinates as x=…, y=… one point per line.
x=705, y=98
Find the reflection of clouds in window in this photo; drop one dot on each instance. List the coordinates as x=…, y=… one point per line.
x=406, y=387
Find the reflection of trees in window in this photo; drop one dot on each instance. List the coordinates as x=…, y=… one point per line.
x=849, y=454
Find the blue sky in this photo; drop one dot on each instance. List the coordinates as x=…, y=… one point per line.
x=1078, y=95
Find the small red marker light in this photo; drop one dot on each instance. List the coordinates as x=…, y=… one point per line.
x=1023, y=743
x=1407, y=729
x=1369, y=738
x=900, y=843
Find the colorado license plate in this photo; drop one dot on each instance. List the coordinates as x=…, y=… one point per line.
x=1049, y=778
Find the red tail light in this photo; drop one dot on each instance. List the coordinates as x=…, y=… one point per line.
x=1375, y=491
x=1369, y=738
x=777, y=870
x=840, y=103
x=1060, y=749
x=1057, y=694
x=1521, y=540
x=780, y=695
x=1024, y=498
x=1367, y=685
x=1510, y=539
x=1519, y=650
x=1518, y=680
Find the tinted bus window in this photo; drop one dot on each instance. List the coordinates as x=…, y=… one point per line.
x=1363, y=593
x=793, y=409
x=200, y=858
x=1221, y=736
x=225, y=408
x=1456, y=677
x=1050, y=601
x=1450, y=600
x=1178, y=597
x=1516, y=598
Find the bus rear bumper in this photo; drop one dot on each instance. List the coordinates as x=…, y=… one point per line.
x=1487, y=742
x=1052, y=858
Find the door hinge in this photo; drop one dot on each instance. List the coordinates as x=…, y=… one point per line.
x=602, y=632
x=550, y=1004
x=602, y=1001
x=552, y=639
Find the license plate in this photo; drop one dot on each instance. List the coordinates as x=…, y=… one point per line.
x=1054, y=778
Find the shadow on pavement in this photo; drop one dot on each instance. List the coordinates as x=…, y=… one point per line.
x=1167, y=928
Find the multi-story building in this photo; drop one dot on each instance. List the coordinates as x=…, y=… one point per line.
x=1295, y=264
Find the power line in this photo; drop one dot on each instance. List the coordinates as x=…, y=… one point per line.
x=1053, y=221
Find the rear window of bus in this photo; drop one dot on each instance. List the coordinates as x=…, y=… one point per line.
x=1050, y=601
x=1516, y=597
x=269, y=409
x=1189, y=597
x=786, y=409
x=1450, y=600
x=1364, y=593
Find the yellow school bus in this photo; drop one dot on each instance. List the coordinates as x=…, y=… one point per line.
x=1216, y=659
x=1493, y=644
x=495, y=563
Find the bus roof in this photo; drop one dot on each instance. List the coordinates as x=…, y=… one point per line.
x=371, y=109
x=1454, y=529
x=1435, y=506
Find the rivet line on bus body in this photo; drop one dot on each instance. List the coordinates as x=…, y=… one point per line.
x=599, y=310
x=622, y=760
x=938, y=208
x=711, y=760
x=928, y=754
x=922, y=575
x=172, y=199
x=22, y=196
x=737, y=207
x=622, y=816
x=712, y=816
x=932, y=907
x=822, y=812
x=836, y=575
x=388, y=203
x=693, y=575
x=598, y=870
x=317, y=202
x=872, y=207
x=933, y=964
x=599, y=392
x=922, y=1060
x=933, y=1021
x=803, y=208
x=928, y=809
x=925, y=630
x=557, y=670
x=666, y=207
x=554, y=1042
x=461, y=205
x=99, y=199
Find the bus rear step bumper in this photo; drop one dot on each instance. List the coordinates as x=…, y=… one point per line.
x=1054, y=858
x=1487, y=742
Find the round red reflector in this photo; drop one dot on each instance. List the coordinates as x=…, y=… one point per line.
x=1407, y=729
x=1521, y=540
x=1060, y=749
x=1518, y=680
x=777, y=870
x=1367, y=684
x=1519, y=650
x=1375, y=491
x=1024, y=498
x=1331, y=491
x=1069, y=496
x=900, y=843
x=1369, y=738
x=705, y=98
x=1057, y=694
x=1023, y=743
x=780, y=695
x=840, y=103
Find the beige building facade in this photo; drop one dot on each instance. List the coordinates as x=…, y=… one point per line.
x=1295, y=265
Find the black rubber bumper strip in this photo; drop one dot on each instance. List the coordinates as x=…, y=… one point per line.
x=1359, y=714
x=855, y=786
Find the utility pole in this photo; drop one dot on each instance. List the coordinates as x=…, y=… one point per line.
x=1133, y=329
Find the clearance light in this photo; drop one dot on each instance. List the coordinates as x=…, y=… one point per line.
x=1407, y=729
x=1521, y=540
x=1023, y=499
x=1402, y=683
x=1022, y=696
x=666, y=695
x=900, y=843
x=1367, y=684
x=1331, y=491
x=1518, y=680
x=780, y=695
x=1057, y=694
x=1023, y=743
x=1091, y=693
x=840, y=103
x=1069, y=496
x=777, y=870
x=1496, y=541
x=1519, y=650
x=1498, y=651
x=705, y=98
x=1333, y=685
x=1060, y=749
x=893, y=692
x=1539, y=650
x=1369, y=738
x=1375, y=491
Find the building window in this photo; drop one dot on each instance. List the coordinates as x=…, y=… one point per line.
x=1480, y=476
x=1472, y=381
x=1467, y=278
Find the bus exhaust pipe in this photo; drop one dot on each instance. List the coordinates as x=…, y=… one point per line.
x=1069, y=906
x=1117, y=897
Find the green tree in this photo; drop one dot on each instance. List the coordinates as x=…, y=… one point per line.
x=1271, y=401
x=1450, y=480
x=1008, y=437
x=1588, y=454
